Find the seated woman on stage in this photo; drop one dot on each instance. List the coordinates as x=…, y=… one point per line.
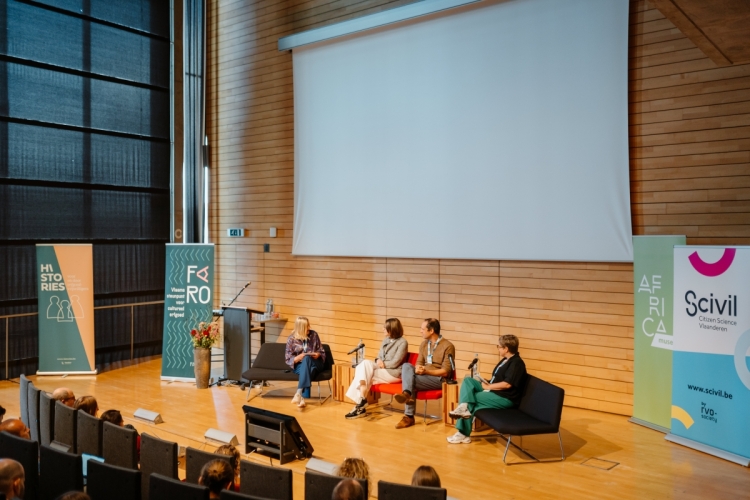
x=502, y=391
x=305, y=354
x=386, y=369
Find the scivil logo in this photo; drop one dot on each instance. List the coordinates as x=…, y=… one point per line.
x=717, y=268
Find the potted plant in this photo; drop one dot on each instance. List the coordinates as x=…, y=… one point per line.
x=204, y=336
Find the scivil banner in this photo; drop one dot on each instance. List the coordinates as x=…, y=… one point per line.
x=65, y=291
x=710, y=377
x=188, y=299
x=653, y=295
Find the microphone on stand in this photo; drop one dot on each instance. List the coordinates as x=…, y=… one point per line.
x=451, y=380
x=473, y=363
x=220, y=312
x=360, y=346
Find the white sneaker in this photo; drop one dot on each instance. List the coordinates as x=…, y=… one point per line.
x=459, y=438
x=461, y=411
x=297, y=398
x=301, y=403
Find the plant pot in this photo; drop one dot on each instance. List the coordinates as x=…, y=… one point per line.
x=202, y=365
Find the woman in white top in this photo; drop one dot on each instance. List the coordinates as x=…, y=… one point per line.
x=386, y=369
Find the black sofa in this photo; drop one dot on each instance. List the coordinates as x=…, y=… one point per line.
x=540, y=412
x=269, y=364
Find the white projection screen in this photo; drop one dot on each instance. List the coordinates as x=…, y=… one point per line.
x=496, y=132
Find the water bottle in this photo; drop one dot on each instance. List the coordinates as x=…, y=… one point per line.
x=362, y=357
x=269, y=307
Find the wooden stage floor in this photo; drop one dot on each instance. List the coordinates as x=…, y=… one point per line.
x=647, y=465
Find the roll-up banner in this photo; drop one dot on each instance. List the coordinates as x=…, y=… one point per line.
x=653, y=279
x=710, y=375
x=188, y=300
x=65, y=291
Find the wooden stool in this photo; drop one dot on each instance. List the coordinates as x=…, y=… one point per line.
x=343, y=375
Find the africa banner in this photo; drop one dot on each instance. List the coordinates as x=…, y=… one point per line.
x=65, y=294
x=653, y=300
x=710, y=371
x=188, y=300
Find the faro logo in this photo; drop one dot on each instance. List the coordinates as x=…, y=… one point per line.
x=201, y=293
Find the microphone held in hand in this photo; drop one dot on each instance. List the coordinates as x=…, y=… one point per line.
x=360, y=346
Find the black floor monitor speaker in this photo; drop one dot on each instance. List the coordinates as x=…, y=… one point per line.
x=275, y=434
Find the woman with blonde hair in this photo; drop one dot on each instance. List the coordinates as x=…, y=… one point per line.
x=234, y=462
x=355, y=468
x=305, y=355
x=385, y=369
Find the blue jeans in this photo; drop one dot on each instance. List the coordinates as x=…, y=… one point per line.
x=307, y=369
x=413, y=383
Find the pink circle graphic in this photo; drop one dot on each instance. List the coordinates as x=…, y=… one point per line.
x=714, y=269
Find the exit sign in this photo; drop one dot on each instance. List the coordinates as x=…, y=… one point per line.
x=235, y=232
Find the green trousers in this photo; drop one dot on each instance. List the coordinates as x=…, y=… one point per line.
x=473, y=395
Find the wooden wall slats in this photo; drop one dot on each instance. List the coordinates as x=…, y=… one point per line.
x=689, y=128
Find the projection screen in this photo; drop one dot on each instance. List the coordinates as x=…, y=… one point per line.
x=495, y=132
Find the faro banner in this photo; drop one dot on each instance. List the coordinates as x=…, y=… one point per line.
x=188, y=300
x=710, y=377
x=653, y=271
x=65, y=291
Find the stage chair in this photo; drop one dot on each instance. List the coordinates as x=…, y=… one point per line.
x=119, y=446
x=32, y=403
x=59, y=472
x=196, y=459
x=273, y=483
x=321, y=486
x=112, y=482
x=157, y=456
x=397, y=388
x=231, y=495
x=46, y=419
x=89, y=434
x=166, y=487
x=24, y=398
x=539, y=412
x=394, y=491
x=25, y=452
x=269, y=364
x=66, y=426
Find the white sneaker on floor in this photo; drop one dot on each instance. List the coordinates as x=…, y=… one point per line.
x=461, y=411
x=301, y=403
x=459, y=438
x=296, y=399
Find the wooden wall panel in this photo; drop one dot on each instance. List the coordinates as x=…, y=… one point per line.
x=690, y=174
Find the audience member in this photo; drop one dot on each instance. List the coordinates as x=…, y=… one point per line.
x=12, y=479
x=502, y=391
x=386, y=369
x=348, y=489
x=64, y=395
x=433, y=365
x=2, y=414
x=216, y=475
x=355, y=468
x=74, y=495
x=115, y=417
x=305, y=356
x=425, y=476
x=87, y=404
x=16, y=427
x=234, y=461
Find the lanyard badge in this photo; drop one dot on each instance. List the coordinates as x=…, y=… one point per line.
x=430, y=349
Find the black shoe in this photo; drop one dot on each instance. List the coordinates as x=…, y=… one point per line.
x=404, y=397
x=358, y=411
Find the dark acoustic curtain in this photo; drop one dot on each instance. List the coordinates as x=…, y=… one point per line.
x=85, y=157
